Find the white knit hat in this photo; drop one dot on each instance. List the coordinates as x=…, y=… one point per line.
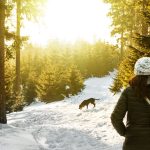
x=142, y=66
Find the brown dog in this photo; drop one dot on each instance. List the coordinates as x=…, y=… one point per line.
x=87, y=102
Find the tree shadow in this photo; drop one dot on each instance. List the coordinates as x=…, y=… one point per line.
x=61, y=138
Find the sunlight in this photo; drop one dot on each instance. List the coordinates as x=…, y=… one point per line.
x=71, y=20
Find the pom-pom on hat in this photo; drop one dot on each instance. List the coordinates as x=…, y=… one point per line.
x=142, y=66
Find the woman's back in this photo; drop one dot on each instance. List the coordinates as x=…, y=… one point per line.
x=138, y=114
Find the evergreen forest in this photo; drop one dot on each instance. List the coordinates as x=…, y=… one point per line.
x=58, y=70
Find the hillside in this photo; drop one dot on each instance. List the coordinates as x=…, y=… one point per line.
x=62, y=126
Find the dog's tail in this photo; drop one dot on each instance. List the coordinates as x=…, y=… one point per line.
x=97, y=99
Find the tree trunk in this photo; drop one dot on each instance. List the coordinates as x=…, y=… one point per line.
x=3, y=118
x=17, y=90
x=144, y=23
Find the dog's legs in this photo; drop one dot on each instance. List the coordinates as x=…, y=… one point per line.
x=87, y=106
x=94, y=104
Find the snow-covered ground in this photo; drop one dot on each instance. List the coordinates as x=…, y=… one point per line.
x=62, y=126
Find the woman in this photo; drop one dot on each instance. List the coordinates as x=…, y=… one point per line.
x=135, y=102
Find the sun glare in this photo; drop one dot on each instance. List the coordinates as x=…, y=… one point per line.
x=71, y=20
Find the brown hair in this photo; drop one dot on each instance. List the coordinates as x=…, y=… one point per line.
x=139, y=83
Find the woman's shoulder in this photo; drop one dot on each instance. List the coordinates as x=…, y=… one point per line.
x=128, y=90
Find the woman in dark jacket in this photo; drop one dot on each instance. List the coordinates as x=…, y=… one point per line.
x=135, y=102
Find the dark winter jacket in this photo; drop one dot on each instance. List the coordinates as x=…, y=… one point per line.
x=137, y=128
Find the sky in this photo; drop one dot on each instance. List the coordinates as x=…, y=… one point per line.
x=72, y=20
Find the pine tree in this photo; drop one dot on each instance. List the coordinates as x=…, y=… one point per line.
x=117, y=85
x=140, y=47
x=29, y=90
x=76, y=80
x=23, y=8
x=123, y=20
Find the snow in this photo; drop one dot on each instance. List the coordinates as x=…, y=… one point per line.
x=12, y=138
x=62, y=126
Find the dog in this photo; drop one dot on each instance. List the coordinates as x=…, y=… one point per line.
x=87, y=102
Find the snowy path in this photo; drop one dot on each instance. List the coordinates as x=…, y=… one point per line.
x=62, y=126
